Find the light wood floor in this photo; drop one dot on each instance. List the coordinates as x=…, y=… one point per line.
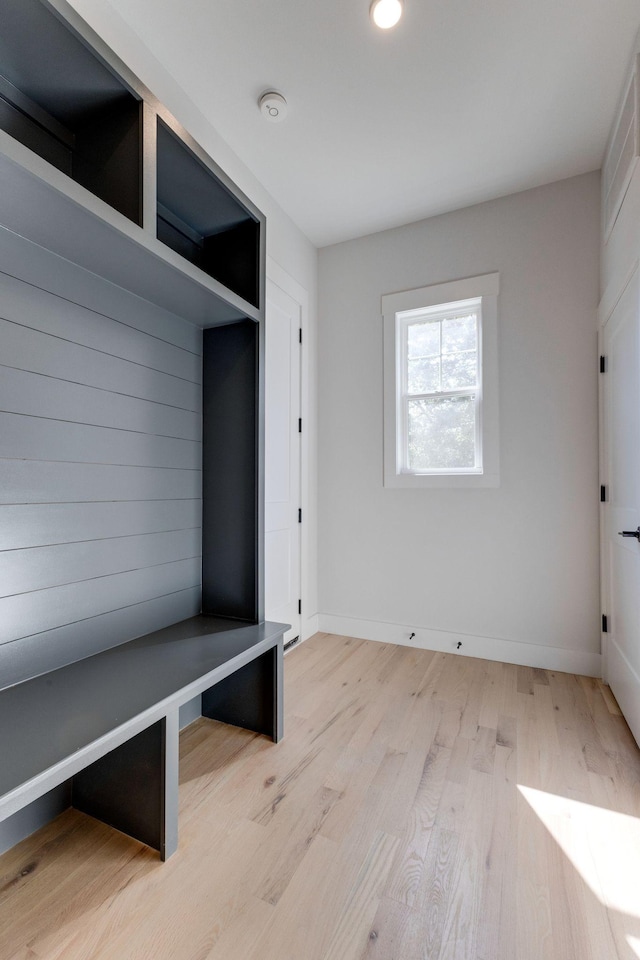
x=420, y=806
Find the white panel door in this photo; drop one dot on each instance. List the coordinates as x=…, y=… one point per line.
x=282, y=460
x=622, y=510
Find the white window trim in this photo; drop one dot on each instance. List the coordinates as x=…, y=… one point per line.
x=485, y=287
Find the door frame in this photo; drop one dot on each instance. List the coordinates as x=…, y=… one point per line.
x=603, y=518
x=309, y=617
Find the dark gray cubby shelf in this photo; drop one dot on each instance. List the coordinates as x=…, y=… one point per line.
x=61, y=101
x=203, y=221
x=65, y=98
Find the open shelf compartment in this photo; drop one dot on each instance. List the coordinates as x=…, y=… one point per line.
x=200, y=218
x=61, y=101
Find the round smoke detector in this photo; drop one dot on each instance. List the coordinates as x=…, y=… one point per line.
x=273, y=106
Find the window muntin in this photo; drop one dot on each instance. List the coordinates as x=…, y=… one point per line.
x=439, y=379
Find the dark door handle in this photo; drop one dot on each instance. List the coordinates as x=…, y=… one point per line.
x=630, y=533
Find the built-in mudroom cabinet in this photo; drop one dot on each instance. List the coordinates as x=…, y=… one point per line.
x=132, y=297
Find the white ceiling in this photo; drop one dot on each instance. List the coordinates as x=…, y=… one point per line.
x=462, y=102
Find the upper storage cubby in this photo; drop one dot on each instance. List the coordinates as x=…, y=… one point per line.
x=79, y=164
x=60, y=100
x=201, y=219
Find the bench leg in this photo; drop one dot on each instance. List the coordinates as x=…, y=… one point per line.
x=134, y=788
x=251, y=697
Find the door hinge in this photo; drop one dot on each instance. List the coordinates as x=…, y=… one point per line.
x=603, y=364
x=300, y=425
x=300, y=335
x=603, y=493
x=299, y=607
x=299, y=514
x=605, y=625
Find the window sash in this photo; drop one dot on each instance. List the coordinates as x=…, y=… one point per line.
x=403, y=434
x=436, y=313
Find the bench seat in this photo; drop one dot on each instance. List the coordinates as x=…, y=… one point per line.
x=110, y=722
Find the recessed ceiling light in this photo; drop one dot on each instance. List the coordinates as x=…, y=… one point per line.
x=273, y=106
x=385, y=13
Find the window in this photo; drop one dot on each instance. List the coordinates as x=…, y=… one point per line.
x=440, y=392
x=441, y=410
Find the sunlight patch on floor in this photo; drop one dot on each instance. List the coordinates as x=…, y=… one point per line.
x=603, y=846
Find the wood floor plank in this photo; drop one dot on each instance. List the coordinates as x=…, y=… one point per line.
x=425, y=932
x=470, y=717
x=387, y=931
x=305, y=917
x=407, y=870
x=422, y=806
x=610, y=700
x=460, y=762
x=497, y=920
x=353, y=928
x=571, y=735
x=490, y=707
x=534, y=936
x=239, y=938
x=506, y=694
x=550, y=768
x=298, y=830
x=484, y=750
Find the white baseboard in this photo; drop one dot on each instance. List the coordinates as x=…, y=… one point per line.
x=486, y=648
x=625, y=684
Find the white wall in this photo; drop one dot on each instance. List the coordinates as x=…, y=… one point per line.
x=510, y=572
x=287, y=248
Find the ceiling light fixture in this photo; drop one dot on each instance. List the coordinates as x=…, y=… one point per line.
x=385, y=13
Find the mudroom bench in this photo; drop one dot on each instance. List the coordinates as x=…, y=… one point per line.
x=109, y=723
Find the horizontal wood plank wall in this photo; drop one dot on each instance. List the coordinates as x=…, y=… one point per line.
x=100, y=463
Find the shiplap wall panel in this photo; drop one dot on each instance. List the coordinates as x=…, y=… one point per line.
x=60, y=645
x=28, y=349
x=39, y=438
x=46, y=524
x=38, y=568
x=31, y=307
x=31, y=481
x=22, y=259
x=100, y=464
x=31, y=393
x=30, y=613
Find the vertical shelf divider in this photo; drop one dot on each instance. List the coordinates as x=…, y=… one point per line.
x=149, y=175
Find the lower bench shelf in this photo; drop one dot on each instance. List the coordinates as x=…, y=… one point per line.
x=110, y=722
